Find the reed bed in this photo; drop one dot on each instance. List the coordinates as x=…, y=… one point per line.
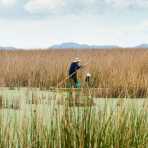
x=76, y=127
x=123, y=71
x=33, y=119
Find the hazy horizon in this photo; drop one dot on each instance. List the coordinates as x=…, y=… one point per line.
x=61, y=44
x=43, y=23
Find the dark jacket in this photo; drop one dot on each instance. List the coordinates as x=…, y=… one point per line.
x=73, y=68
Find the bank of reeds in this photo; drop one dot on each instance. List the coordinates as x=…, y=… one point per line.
x=124, y=71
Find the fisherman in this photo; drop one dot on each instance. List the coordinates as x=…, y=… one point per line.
x=74, y=67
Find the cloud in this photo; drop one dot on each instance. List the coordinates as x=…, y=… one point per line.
x=127, y=3
x=81, y=6
x=43, y=6
x=7, y=3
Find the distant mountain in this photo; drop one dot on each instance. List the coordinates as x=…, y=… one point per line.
x=7, y=48
x=73, y=45
x=142, y=46
x=69, y=45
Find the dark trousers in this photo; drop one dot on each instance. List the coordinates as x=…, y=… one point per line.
x=73, y=80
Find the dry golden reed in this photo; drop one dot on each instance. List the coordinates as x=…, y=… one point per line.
x=123, y=71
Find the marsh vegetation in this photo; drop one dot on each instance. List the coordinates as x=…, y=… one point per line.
x=44, y=123
x=123, y=71
x=36, y=112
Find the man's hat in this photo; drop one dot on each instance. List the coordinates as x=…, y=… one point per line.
x=76, y=60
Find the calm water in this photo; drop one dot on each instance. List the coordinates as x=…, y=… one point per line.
x=47, y=106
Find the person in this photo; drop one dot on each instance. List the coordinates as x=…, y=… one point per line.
x=87, y=78
x=74, y=67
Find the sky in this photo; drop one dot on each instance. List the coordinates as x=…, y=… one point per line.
x=42, y=23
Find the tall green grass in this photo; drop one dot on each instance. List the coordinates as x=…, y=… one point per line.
x=77, y=127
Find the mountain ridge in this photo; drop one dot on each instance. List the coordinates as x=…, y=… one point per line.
x=74, y=45
x=7, y=48
x=142, y=46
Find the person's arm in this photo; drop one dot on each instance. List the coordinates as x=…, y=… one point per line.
x=81, y=66
x=78, y=66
